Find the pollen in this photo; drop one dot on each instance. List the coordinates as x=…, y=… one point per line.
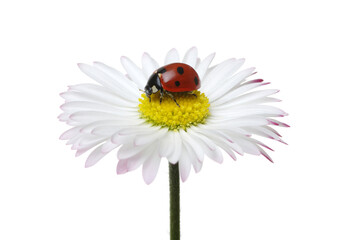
x=192, y=110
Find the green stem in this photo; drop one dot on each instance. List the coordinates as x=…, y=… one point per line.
x=174, y=181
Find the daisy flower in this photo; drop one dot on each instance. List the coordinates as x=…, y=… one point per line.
x=225, y=113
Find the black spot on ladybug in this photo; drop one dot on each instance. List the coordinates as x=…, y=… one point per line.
x=177, y=83
x=161, y=70
x=180, y=70
x=196, y=81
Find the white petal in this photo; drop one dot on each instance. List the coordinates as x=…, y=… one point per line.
x=81, y=151
x=151, y=167
x=272, y=130
x=76, y=140
x=235, y=93
x=149, y=65
x=227, y=149
x=235, y=130
x=121, y=167
x=230, y=141
x=172, y=57
x=231, y=83
x=265, y=100
x=257, y=143
x=277, y=123
x=71, y=96
x=215, y=155
x=240, y=122
x=249, y=98
x=184, y=165
x=137, y=160
x=177, y=148
x=221, y=137
x=262, y=152
x=107, y=81
x=248, y=146
x=264, y=132
x=147, y=138
x=108, y=146
x=140, y=129
x=197, y=165
x=95, y=156
x=106, y=131
x=219, y=74
x=207, y=142
x=234, y=112
x=88, y=140
x=87, y=117
x=166, y=145
x=95, y=93
x=203, y=66
x=79, y=136
x=64, y=117
x=84, y=148
x=197, y=63
x=70, y=133
x=128, y=150
x=94, y=106
x=134, y=161
x=120, y=79
x=191, y=57
x=134, y=72
x=209, y=147
x=120, y=123
x=194, y=144
x=121, y=139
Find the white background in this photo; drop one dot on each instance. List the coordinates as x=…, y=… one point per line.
x=301, y=47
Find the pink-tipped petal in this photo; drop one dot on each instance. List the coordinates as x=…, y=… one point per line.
x=151, y=167
x=262, y=152
x=94, y=157
x=70, y=133
x=121, y=167
x=255, y=81
x=278, y=123
x=108, y=146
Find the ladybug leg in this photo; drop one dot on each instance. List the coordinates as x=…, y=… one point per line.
x=172, y=96
x=161, y=95
x=192, y=93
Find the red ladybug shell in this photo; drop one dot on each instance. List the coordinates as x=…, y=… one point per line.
x=179, y=77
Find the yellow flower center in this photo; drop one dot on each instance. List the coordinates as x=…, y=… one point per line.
x=193, y=110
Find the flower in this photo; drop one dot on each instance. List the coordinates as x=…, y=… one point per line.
x=224, y=114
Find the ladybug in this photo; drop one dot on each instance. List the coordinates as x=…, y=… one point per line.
x=172, y=78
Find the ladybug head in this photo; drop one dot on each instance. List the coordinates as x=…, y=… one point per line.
x=153, y=85
x=148, y=90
